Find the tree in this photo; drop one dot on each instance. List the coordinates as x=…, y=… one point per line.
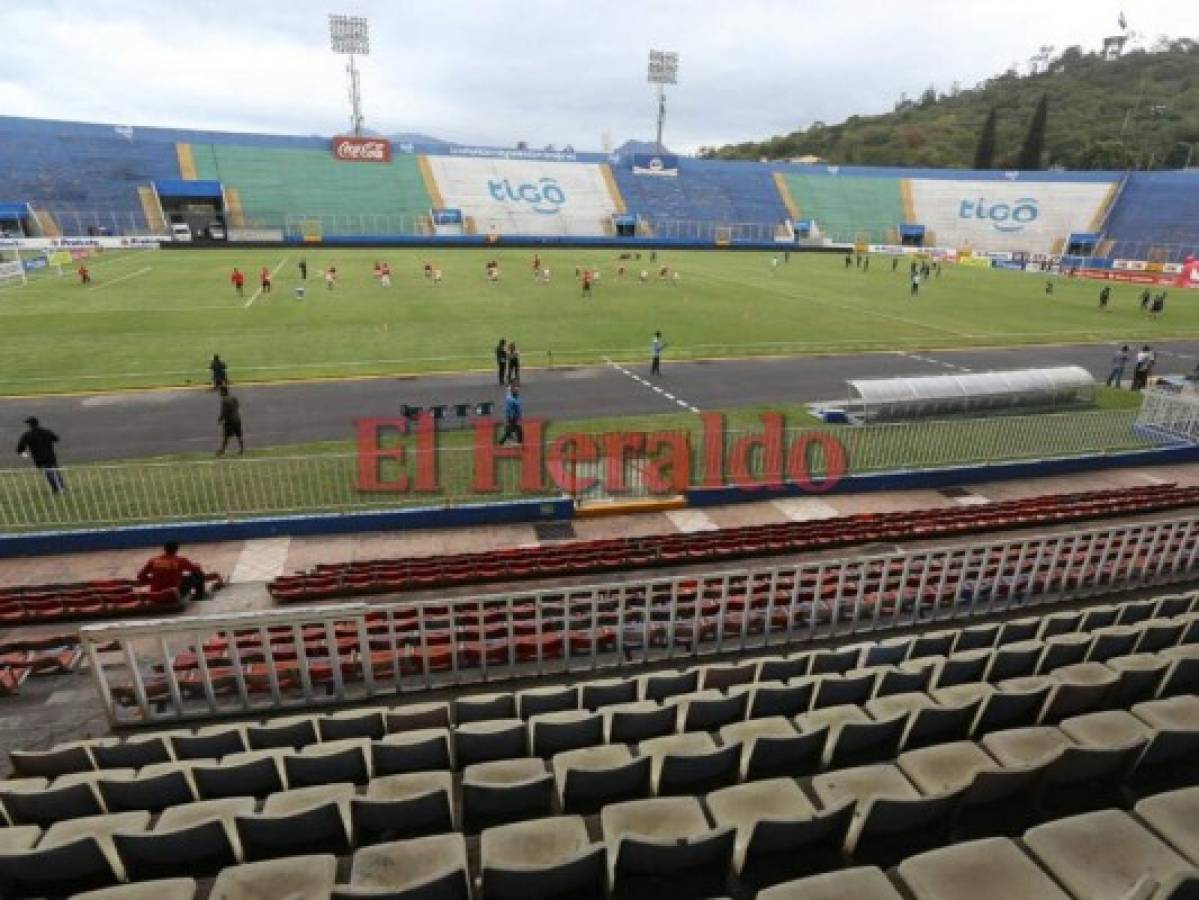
x=984, y=153
x=1104, y=154
x=1034, y=141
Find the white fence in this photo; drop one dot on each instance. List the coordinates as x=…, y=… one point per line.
x=229, y=489
x=168, y=671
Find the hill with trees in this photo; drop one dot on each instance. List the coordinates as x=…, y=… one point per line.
x=1076, y=111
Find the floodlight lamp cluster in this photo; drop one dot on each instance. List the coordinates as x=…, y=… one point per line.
x=663, y=67
x=349, y=34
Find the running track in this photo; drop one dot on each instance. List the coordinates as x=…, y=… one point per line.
x=150, y=423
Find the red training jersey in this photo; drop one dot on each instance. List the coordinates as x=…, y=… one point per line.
x=163, y=571
x=238, y=279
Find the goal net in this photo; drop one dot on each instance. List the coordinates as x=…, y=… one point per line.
x=12, y=270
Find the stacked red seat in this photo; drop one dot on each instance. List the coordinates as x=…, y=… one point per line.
x=388, y=576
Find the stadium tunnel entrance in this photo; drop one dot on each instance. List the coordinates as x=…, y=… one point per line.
x=193, y=210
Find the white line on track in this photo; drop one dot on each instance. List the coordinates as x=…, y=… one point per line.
x=936, y=362
x=666, y=395
x=127, y=275
x=274, y=272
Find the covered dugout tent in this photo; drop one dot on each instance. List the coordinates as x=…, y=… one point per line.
x=895, y=399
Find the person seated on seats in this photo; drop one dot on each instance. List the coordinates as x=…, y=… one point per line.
x=170, y=570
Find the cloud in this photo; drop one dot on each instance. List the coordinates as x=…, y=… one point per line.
x=545, y=71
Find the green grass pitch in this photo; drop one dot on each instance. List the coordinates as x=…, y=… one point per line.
x=153, y=318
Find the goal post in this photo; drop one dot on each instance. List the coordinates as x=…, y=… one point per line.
x=12, y=270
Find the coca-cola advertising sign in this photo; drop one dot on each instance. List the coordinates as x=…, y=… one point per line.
x=356, y=149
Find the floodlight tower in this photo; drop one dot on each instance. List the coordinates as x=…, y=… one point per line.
x=350, y=35
x=663, y=70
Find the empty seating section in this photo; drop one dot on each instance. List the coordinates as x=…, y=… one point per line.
x=85, y=601
x=515, y=196
x=707, y=195
x=390, y=576
x=83, y=174
x=754, y=773
x=1156, y=217
x=1028, y=214
x=849, y=207
x=348, y=198
x=212, y=665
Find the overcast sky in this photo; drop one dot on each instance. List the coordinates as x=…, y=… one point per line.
x=543, y=71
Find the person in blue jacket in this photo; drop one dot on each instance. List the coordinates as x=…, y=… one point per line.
x=513, y=413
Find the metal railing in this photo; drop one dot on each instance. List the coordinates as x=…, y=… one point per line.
x=209, y=666
x=229, y=489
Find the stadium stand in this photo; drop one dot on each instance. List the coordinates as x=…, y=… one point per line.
x=746, y=783
x=77, y=175
x=850, y=208
x=534, y=197
x=1032, y=213
x=388, y=576
x=1156, y=218
x=705, y=197
x=91, y=170
x=310, y=183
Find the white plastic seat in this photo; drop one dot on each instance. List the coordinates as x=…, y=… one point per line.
x=153, y=792
x=100, y=829
x=290, y=732
x=684, y=763
x=989, y=869
x=557, y=732
x=297, y=822
x=504, y=790
x=660, y=685
x=414, y=750
x=253, y=773
x=928, y=722
x=433, y=866
x=862, y=883
x=191, y=839
x=1079, y=688
x=167, y=889
x=774, y=698
x=629, y=723
x=368, y=724
x=601, y=692
x=59, y=760
x=667, y=837
x=417, y=717
x=484, y=707
x=333, y=762
x=1174, y=817
x=489, y=740
x=1102, y=855
x=536, y=701
x=541, y=858
x=775, y=816
x=403, y=806
x=720, y=676
x=773, y=747
x=587, y=779
x=296, y=878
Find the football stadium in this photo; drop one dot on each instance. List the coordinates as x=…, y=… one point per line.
x=399, y=517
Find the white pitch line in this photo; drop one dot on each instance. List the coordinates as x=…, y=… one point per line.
x=657, y=390
x=143, y=271
x=274, y=272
